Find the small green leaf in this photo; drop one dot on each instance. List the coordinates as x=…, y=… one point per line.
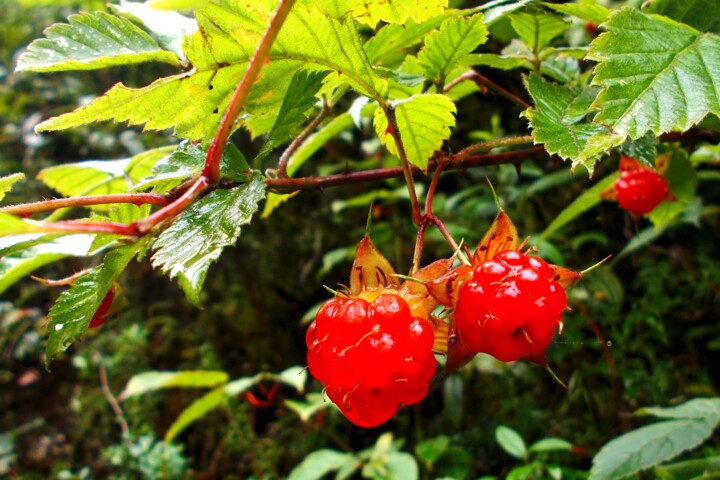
x=92, y=177
x=445, y=48
x=14, y=266
x=588, y=199
x=550, y=445
x=170, y=28
x=197, y=237
x=73, y=310
x=389, y=46
x=559, y=119
x=511, y=441
x=321, y=462
x=402, y=466
x=195, y=411
x=91, y=41
x=371, y=12
x=698, y=408
x=12, y=225
x=424, y=122
x=145, y=382
x=429, y=450
x=648, y=446
x=295, y=377
x=313, y=403
x=682, y=181
x=588, y=10
x=299, y=99
x=657, y=75
x=536, y=28
x=696, y=469
x=6, y=183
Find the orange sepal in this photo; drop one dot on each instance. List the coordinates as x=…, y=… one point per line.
x=445, y=289
x=501, y=236
x=566, y=278
x=370, y=269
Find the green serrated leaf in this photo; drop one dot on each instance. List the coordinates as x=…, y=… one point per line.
x=193, y=102
x=511, y=442
x=370, y=12
x=648, y=446
x=321, y=462
x=73, y=310
x=195, y=411
x=197, y=237
x=152, y=381
x=657, y=75
x=6, y=183
x=91, y=41
x=389, y=46
x=536, y=28
x=18, y=264
x=445, y=48
x=703, y=15
x=424, y=122
x=559, y=119
x=495, y=61
x=588, y=10
x=588, y=199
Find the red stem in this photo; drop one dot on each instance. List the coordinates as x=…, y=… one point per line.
x=287, y=185
x=24, y=209
x=148, y=223
x=214, y=153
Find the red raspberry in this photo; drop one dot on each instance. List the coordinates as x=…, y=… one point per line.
x=640, y=190
x=510, y=307
x=371, y=357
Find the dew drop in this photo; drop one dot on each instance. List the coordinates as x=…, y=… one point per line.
x=608, y=343
x=59, y=327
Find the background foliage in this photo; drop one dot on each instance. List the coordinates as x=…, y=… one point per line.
x=643, y=328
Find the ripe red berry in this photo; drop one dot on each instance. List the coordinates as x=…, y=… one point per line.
x=510, y=306
x=640, y=190
x=371, y=357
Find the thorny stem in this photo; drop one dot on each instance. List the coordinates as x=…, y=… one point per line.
x=285, y=157
x=406, y=169
x=483, y=81
x=113, y=402
x=214, y=153
x=25, y=209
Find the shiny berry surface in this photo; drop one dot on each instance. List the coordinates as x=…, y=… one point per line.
x=371, y=357
x=510, y=307
x=640, y=190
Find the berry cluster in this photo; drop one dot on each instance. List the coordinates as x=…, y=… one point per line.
x=639, y=189
x=510, y=306
x=371, y=357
